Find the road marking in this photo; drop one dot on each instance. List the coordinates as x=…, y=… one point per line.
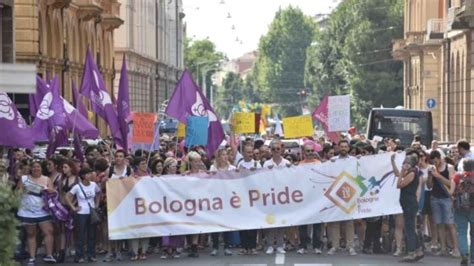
x=280, y=259
x=313, y=264
x=248, y=264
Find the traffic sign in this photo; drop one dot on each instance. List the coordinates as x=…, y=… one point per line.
x=431, y=103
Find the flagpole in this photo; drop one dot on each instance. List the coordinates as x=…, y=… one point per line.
x=152, y=145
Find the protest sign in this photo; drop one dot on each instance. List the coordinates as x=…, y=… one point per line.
x=244, y=123
x=346, y=189
x=298, y=126
x=196, y=130
x=339, y=113
x=181, y=130
x=143, y=127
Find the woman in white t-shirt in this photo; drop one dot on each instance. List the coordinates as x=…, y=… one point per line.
x=32, y=214
x=87, y=195
x=221, y=164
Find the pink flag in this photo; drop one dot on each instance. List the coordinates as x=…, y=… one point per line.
x=321, y=114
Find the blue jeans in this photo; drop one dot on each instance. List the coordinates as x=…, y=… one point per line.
x=463, y=220
x=84, y=230
x=303, y=230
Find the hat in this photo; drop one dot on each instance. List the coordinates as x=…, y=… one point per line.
x=84, y=171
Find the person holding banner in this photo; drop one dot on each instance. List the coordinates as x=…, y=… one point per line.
x=334, y=229
x=195, y=167
x=221, y=164
x=407, y=182
x=171, y=243
x=141, y=171
x=310, y=156
x=277, y=161
x=249, y=237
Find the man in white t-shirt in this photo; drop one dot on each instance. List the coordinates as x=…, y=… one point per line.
x=247, y=161
x=277, y=161
x=334, y=228
x=119, y=169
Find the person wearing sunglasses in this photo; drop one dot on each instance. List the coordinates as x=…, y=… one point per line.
x=310, y=156
x=277, y=161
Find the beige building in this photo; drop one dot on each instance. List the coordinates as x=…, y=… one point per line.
x=55, y=34
x=152, y=40
x=436, y=51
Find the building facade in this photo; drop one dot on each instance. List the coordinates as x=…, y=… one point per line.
x=437, y=54
x=152, y=41
x=55, y=34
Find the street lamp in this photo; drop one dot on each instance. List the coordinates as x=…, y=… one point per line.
x=303, y=93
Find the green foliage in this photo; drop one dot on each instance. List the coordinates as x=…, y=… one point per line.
x=9, y=200
x=279, y=70
x=201, y=57
x=229, y=94
x=352, y=55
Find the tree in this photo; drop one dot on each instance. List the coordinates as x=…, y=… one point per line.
x=229, y=94
x=201, y=57
x=279, y=70
x=352, y=56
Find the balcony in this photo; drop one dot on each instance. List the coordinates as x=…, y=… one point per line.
x=58, y=3
x=435, y=29
x=89, y=9
x=414, y=38
x=398, y=49
x=111, y=22
x=461, y=17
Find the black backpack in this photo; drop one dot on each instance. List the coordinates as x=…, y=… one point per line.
x=112, y=169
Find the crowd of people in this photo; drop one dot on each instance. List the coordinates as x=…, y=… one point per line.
x=63, y=197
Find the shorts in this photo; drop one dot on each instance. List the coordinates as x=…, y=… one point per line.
x=442, y=210
x=35, y=220
x=426, y=208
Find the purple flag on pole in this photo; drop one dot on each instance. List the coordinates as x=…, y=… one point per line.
x=123, y=104
x=76, y=100
x=15, y=131
x=187, y=100
x=50, y=117
x=78, y=124
x=35, y=99
x=93, y=87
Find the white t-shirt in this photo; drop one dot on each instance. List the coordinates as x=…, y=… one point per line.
x=123, y=174
x=284, y=162
x=238, y=158
x=91, y=191
x=214, y=168
x=338, y=157
x=249, y=165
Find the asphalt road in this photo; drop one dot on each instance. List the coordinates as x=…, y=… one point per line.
x=290, y=258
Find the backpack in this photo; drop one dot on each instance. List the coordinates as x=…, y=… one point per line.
x=112, y=169
x=464, y=193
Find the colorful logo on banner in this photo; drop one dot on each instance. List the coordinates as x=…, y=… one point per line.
x=346, y=190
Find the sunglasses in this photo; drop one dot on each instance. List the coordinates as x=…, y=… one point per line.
x=276, y=149
x=308, y=151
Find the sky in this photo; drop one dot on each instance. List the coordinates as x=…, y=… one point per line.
x=215, y=19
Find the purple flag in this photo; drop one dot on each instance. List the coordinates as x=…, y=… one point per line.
x=58, y=139
x=78, y=124
x=35, y=99
x=187, y=100
x=123, y=104
x=93, y=87
x=50, y=117
x=78, y=152
x=15, y=131
x=76, y=100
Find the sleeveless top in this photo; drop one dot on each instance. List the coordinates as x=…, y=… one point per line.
x=438, y=191
x=67, y=187
x=32, y=203
x=408, y=193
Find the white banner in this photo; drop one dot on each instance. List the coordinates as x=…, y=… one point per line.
x=339, y=113
x=306, y=194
